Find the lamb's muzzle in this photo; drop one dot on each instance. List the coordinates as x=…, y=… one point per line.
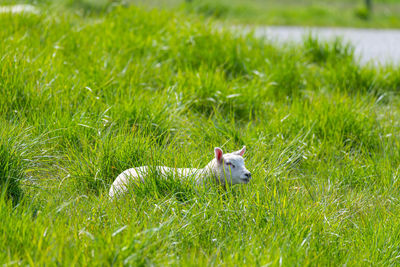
x=223, y=169
x=248, y=177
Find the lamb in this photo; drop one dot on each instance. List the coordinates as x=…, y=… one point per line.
x=223, y=169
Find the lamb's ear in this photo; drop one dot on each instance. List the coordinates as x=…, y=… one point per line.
x=241, y=151
x=218, y=154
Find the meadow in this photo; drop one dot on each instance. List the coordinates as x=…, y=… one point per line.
x=326, y=13
x=86, y=95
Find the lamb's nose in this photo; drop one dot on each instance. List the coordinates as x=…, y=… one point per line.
x=248, y=175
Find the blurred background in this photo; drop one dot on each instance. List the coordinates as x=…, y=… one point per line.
x=330, y=13
x=345, y=13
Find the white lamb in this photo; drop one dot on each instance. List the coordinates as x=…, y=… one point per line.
x=223, y=169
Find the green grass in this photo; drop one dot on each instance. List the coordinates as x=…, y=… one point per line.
x=89, y=93
x=338, y=13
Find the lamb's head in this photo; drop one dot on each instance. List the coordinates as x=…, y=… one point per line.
x=229, y=168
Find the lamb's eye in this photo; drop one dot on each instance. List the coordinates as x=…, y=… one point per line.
x=230, y=164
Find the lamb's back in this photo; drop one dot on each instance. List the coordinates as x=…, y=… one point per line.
x=138, y=174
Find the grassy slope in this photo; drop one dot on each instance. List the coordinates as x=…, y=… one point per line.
x=338, y=13
x=85, y=97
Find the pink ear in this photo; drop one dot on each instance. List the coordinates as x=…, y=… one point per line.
x=241, y=152
x=218, y=154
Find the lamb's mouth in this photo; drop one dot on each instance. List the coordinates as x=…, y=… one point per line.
x=246, y=180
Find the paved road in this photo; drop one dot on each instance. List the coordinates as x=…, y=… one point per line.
x=15, y=9
x=370, y=45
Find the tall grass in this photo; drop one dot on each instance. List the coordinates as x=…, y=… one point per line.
x=86, y=95
x=11, y=168
x=305, y=12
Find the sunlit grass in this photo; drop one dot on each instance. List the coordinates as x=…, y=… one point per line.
x=86, y=95
x=337, y=13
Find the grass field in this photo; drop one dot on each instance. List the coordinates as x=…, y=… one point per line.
x=86, y=95
x=328, y=13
